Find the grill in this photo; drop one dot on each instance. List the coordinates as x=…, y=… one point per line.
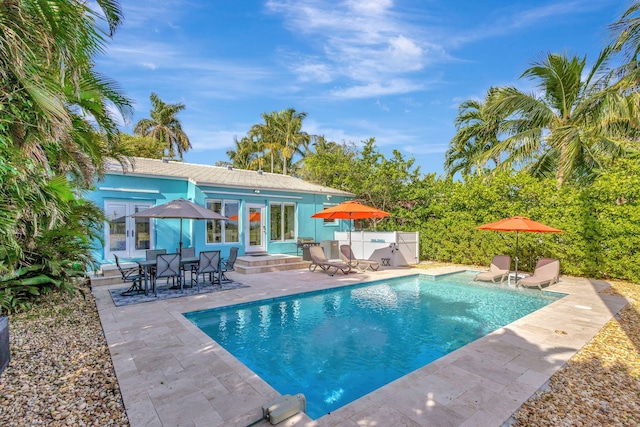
x=305, y=243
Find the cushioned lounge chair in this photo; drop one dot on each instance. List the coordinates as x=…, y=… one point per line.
x=547, y=272
x=360, y=264
x=318, y=259
x=499, y=269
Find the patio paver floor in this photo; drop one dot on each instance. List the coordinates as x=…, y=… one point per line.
x=170, y=373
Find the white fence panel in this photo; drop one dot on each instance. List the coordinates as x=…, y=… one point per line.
x=400, y=248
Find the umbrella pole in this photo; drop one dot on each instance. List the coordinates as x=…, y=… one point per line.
x=516, y=278
x=180, y=245
x=350, y=248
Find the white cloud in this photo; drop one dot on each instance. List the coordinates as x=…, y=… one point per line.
x=313, y=72
x=381, y=106
x=377, y=89
x=360, y=44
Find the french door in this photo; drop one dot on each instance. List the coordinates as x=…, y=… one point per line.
x=254, y=228
x=125, y=236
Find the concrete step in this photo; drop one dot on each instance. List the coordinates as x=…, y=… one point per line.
x=268, y=263
x=109, y=274
x=265, y=260
x=244, y=269
x=105, y=280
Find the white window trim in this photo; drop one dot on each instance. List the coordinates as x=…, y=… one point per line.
x=282, y=226
x=223, y=202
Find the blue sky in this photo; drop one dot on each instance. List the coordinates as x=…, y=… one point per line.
x=393, y=70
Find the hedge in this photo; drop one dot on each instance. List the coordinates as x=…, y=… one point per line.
x=601, y=222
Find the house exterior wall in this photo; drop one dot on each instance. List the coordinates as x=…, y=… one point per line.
x=159, y=190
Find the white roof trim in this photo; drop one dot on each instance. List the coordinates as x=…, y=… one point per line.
x=129, y=190
x=234, y=193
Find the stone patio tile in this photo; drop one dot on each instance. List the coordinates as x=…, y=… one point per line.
x=383, y=415
x=491, y=369
x=179, y=410
x=242, y=400
x=166, y=365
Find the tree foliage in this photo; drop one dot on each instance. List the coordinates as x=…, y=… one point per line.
x=141, y=146
x=274, y=143
x=56, y=130
x=165, y=127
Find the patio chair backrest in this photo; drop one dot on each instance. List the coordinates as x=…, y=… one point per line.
x=347, y=252
x=168, y=265
x=187, y=252
x=500, y=263
x=547, y=268
x=317, y=254
x=233, y=254
x=209, y=262
x=122, y=271
x=153, y=253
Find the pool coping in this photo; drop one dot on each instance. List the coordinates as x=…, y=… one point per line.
x=171, y=373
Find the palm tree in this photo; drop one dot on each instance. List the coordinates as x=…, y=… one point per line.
x=281, y=134
x=164, y=126
x=626, y=33
x=266, y=136
x=245, y=155
x=477, y=131
x=49, y=148
x=572, y=127
x=289, y=128
x=47, y=75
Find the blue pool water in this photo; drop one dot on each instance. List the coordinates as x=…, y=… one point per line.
x=337, y=345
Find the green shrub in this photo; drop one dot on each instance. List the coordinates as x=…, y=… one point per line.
x=601, y=222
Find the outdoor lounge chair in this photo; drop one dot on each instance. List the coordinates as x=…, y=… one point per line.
x=360, y=264
x=547, y=272
x=318, y=259
x=499, y=269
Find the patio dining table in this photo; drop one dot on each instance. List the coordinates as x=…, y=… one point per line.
x=146, y=264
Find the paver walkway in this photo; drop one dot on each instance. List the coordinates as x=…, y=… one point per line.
x=171, y=374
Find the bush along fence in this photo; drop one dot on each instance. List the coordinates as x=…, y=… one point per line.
x=601, y=221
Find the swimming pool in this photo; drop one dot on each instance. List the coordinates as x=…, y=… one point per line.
x=337, y=345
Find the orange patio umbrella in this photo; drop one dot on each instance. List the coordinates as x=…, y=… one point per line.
x=253, y=217
x=350, y=210
x=519, y=224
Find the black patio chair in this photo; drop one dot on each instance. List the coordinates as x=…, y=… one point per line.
x=134, y=275
x=208, y=263
x=152, y=254
x=168, y=266
x=229, y=263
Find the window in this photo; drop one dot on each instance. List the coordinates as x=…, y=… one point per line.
x=220, y=231
x=331, y=221
x=282, y=221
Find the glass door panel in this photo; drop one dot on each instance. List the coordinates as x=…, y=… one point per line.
x=142, y=229
x=125, y=236
x=117, y=228
x=254, y=228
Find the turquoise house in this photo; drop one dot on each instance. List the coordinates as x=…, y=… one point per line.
x=267, y=212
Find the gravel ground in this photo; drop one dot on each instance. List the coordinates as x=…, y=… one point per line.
x=61, y=372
